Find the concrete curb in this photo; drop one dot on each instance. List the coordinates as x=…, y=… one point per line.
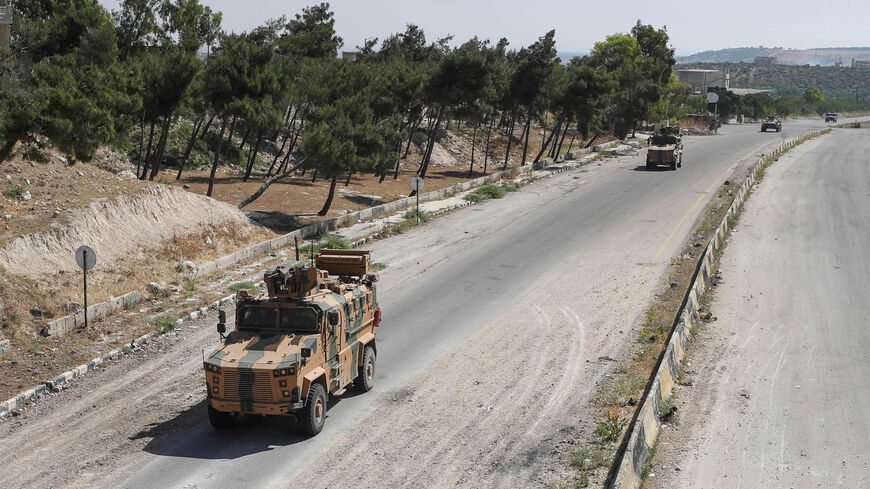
x=101, y=309
x=646, y=426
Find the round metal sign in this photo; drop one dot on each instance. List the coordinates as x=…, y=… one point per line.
x=417, y=184
x=712, y=97
x=86, y=258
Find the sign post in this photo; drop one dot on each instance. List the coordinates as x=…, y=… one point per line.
x=417, y=186
x=86, y=258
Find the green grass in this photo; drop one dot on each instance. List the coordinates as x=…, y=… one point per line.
x=15, y=190
x=610, y=427
x=249, y=286
x=165, y=322
x=412, y=214
x=485, y=192
x=377, y=266
x=334, y=242
x=591, y=457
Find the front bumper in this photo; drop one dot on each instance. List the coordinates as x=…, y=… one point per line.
x=245, y=407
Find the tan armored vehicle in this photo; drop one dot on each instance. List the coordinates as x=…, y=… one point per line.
x=311, y=337
x=665, y=148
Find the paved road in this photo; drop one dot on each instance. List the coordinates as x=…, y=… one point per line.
x=458, y=295
x=782, y=385
x=580, y=253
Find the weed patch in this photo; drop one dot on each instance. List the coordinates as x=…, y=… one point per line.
x=165, y=322
x=250, y=287
x=15, y=190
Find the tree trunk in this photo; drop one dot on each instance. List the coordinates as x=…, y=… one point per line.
x=425, y=165
x=217, y=157
x=190, y=144
x=161, y=147
x=232, y=130
x=510, y=138
x=473, y=140
x=314, y=178
x=411, y=138
x=547, y=142
x=561, y=141
x=245, y=137
x=283, y=143
x=141, y=144
x=430, y=136
x=347, y=182
x=589, y=143
x=328, y=203
x=269, y=181
x=526, y=144
x=486, y=147
x=253, y=157
x=571, y=143
x=147, y=153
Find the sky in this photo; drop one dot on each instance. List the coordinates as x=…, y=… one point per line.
x=693, y=26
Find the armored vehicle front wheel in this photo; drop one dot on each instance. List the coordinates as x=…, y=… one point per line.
x=365, y=379
x=680, y=161
x=219, y=419
x=314, y=415
x=649, y=165
x=673, y=164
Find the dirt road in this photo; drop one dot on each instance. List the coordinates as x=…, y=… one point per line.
x=498, y=322
x=780, y=380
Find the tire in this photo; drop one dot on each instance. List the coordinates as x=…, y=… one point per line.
x=220, y=420
x=680, y=161
x=673, y=165
x=763, y=129
x=365, y=378
x=313, y=416
x=650, y=166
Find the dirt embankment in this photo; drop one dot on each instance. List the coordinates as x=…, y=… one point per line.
x=115, y=228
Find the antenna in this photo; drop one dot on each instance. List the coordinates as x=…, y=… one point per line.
x=311, y=256
x=296, y=242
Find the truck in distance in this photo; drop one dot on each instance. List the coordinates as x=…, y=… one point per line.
x=310, y=337
x=831, y=117
x=665, y=148
x=771, y=122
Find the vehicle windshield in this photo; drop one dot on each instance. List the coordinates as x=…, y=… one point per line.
x=298, y=319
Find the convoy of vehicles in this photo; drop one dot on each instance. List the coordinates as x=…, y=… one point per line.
x=308, y=338
x=665, y=148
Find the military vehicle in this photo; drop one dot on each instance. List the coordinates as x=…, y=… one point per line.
x=309, y=337
x=771, y=123
x=665, y=148
x=831, y=117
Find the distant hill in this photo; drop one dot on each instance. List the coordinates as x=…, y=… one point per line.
x=794, y=79
x=818, y=56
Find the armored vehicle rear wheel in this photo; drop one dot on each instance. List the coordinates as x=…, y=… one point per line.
x=680, y=161
x=674, y=165
x=219, y=419
x=313, y=416
x=365, y=379
x=649, y=165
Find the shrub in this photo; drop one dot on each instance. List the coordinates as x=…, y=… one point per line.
x=165, y=322
x=252, y=289
x=15, y=190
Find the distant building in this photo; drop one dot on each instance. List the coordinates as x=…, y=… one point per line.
x=703, y=80
x=748, y=91
x=860, y=63
x=766, y=60
x=349, y=55
x=5, y=21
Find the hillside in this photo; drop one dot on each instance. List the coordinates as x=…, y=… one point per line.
x=790, y=80
x=817, y=56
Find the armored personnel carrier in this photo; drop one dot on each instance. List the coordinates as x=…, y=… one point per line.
x=311, y=336
x=665, y=148
x=771, y=122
